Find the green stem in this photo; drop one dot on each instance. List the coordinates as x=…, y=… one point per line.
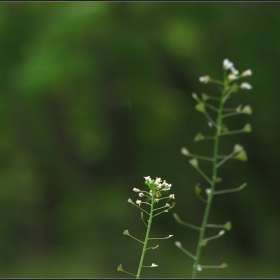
x=214, y=175
x=146, y=237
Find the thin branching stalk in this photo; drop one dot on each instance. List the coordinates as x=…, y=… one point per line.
x=158, y=193
x=213, y=184
x=229, y=87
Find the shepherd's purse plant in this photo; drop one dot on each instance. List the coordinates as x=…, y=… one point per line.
x=158, y=190
x=228, y=87
x=156, y=194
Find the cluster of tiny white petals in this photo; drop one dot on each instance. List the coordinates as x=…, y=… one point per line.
x=227, y=64
x=148, y=179
x=158, y=182
x=136, y=190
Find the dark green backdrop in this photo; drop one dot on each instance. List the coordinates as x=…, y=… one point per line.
x=96, y=95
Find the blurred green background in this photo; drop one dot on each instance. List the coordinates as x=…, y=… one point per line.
x=96, y=95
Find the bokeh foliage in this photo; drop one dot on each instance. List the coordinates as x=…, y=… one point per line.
x=96, y=95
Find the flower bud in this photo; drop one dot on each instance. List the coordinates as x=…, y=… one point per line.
x=245, y=86
x=247, y=110
x=200, y=107
x=184, y=151
x=204, y=79
x=247, y=128
x=198, y=137
x=232, y=77
x=247, y=73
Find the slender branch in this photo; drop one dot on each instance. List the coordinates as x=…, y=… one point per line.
x=184, y=223
x=179, y=245
x=146, y=238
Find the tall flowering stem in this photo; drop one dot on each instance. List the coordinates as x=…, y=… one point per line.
x=158, y=192
x=228, y=87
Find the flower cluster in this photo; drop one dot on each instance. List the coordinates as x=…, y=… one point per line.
x=157, y=184
x=157, y=187
x=233, y=75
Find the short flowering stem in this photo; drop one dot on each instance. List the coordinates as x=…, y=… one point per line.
x=231, y=190
x=184, y=223
x=223, y=265
x=120, y=268
x=130, y=201
x=232, y=132
x=205, y=240
x=179, y=245
x=225, y=159
x=169, y=236
x=185, y=152
x=126, y=232
x=211, y=121
x=204, y=175
x=214, y=81
x=146, y=237
x=142, y=218
x=211, y=106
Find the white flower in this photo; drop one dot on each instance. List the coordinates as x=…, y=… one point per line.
x=129, y=200
x=148, y=179
x=245, y=86
x=136, y=190
x=208, y=191
x=156, y=200
x=172, y=196
x=138, y=202
x=247, y=73
x=167, y=205
x=157, y=181
x=227, y=64
x=232, y=77
x=222, y=232
x=204, y=79
x=199, y=268
x=167, y=187
x=154, y=265
x=141, y=194
x=234, y=71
